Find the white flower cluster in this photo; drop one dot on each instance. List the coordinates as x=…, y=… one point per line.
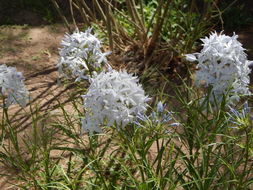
x=223, y=66
x=80, y=55
x=113, y=98
x=12, y=86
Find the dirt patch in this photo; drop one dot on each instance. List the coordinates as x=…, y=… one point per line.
x=34, y=52
x=30, y=49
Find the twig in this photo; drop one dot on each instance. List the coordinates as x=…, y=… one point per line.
x=61, y=15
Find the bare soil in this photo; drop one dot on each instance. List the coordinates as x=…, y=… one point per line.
x=34, y=52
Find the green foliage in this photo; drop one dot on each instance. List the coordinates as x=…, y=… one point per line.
x=212, y=148
x=150, y=24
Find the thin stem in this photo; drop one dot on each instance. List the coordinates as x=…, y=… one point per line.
x=61, y=15
x=82, y=12
x=72, y=13
x=109, y=26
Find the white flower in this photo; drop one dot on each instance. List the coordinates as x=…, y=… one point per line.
x=12, y=86
x=80, y=55
x=73, y=67
x=190, y=57
x=223, y=66
x=113, y=98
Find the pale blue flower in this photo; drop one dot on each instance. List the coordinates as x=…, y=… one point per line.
x=223, y=66
x=80, y=55
x=113, y=98
x=160, y=107
x=240, y=117
x=12, y=86
x=157, y=117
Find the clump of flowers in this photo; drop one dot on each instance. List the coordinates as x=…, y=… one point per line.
x=222, y=66
x=12, y=86
x=158, y=117
x=80, y=55
x=113, y=98
x=240, y=118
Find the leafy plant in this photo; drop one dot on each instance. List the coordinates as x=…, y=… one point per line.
x=150, y=27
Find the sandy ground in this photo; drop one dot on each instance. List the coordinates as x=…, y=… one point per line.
x=34, y=52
